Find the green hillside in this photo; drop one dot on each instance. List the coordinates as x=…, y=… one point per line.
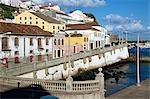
x=7, y=11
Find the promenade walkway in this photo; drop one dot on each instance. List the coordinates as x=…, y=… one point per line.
x=134, y=92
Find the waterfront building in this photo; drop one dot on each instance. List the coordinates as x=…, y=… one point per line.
x=96, y=34
x=58, y=45
x=22, y=41
x=75, y=43
x=44, y=21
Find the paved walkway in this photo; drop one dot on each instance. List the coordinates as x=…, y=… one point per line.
x=134, y=92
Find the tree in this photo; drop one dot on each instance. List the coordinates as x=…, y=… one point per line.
x=91, y=16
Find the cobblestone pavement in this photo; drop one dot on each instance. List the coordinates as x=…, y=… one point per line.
x=134, y=92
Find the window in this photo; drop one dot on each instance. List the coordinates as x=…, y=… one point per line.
x=63, y=27
x=62, y=41
x=30, y=18
x=4, y=43
x=84, y=46
x=42, y=27
x=31, y=41
x=30, y=22
x=47, y=50
x=16, y=41
x=96, y=44
x=47, y=43
x=42, y=22
x=25, y=23
x=55, y=42
x=58, y=41
x=58, y=53
x=99, y=43
x=16, y=53
x=20, y=22
x=20, y=18
x=36, y=22
x=74, y=49
x=58, y=28
x=39, y=42
x=55, y=53
x=25, y=18
x=36, y=18
x=84, y=39
x=53, y=27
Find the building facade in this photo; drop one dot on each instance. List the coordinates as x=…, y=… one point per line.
x=14, y=3
x=45, y=22
x=75, y=43
x=24, y=41
x=95, y=33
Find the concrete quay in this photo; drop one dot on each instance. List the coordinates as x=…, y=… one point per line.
x=134, y=92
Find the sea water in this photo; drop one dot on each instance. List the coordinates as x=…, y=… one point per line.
x=128, y=77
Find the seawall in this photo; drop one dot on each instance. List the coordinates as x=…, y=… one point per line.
x=98, y=60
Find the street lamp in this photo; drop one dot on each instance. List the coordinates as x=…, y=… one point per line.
x=138, y=63
x=138, y=53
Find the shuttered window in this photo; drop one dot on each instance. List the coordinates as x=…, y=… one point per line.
x=4, y=43
x=16, y=41
x=31, y=41
x=39, y=43
x=47, y=42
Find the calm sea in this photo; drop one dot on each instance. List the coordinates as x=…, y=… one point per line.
x=128, y=75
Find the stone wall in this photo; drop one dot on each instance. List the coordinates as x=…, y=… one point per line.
x=96, y=61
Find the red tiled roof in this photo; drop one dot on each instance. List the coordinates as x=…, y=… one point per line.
x=85, y=26
x=46, y=17
x=20, y=29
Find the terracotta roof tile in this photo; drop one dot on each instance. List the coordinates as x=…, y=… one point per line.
x=46, y=17
x=20, y=29
x=85, y=26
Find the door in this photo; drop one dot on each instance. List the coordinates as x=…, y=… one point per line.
x=91, y=45
x=59, y=54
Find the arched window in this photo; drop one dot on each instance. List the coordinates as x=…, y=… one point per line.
x=16, y=41
x=4, y=43
x=39, y=43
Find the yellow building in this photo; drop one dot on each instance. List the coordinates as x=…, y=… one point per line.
x=45, y=22
x=75, y=43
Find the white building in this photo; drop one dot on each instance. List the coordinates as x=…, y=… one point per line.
x=15, y=3
x=29, y=4
x=23, y=41
x=97, y=35
x=79, y=16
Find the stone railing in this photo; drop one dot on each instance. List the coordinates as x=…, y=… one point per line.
x=90, y=87
x=77, y=86
x=18, y=69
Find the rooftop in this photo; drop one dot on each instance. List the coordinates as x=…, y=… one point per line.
x=46, y=17
x=20, y=29
x=82, y=26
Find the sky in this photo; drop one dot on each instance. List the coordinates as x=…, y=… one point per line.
x=115, y=15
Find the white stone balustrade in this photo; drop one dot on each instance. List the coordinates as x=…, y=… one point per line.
x=91, y=89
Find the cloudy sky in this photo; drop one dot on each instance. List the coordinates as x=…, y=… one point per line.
x=115, y=15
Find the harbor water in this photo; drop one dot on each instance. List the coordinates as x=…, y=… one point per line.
x=127, y=73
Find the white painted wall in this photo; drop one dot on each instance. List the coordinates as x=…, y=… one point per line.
x=110, y=58
x=27, y=47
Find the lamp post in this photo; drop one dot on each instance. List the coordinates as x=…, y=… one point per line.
x=138, y=63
